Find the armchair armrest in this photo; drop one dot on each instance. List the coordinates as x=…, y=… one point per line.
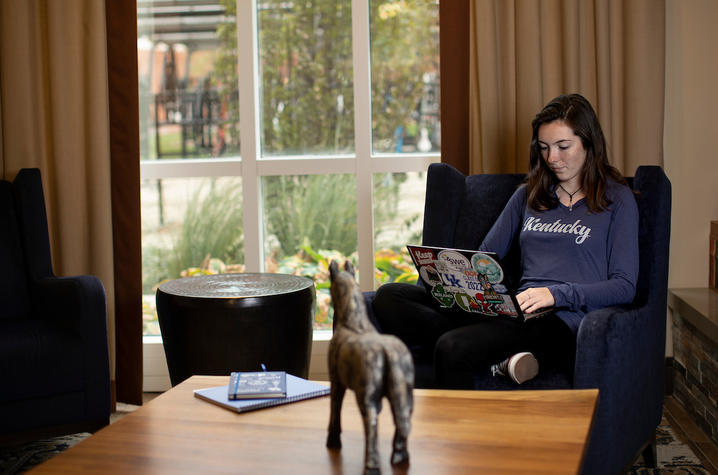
x=600, y=331
x=78, y=304
x=621, y=351
x=74, y=302
x=622, y=344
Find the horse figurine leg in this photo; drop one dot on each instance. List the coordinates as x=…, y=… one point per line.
x=337, y=391
x=370, y=406
x=401, y=410
x=401, y=398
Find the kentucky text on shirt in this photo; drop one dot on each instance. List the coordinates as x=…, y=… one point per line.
x=534, y=224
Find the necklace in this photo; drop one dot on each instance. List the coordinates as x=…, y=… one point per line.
x=570, y=195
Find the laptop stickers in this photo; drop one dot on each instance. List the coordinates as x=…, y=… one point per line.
x=469, y=280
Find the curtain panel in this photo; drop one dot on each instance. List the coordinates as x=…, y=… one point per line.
x=124, y=122
x=55, y=111
x=522, y=53
x=53, y=91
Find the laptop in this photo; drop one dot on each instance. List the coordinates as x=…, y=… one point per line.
x=473, y=281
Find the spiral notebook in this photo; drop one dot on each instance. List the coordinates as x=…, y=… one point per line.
x=297, y=389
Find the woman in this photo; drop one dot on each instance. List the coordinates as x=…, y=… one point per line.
x=577, y=226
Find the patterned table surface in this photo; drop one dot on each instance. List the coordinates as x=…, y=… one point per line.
x=236, y=285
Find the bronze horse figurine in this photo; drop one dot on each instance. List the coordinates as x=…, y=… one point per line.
x=371, y=364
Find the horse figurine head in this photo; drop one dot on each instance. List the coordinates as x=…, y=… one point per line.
x=347, y=299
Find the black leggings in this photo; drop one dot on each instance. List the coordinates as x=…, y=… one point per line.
x=463, y=344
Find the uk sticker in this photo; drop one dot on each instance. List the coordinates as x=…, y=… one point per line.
x=456, y=271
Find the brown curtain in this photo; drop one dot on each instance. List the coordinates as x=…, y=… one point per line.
x=454, y=70
x=55, y=108
x=121, y=18
x=522, y=53
x=53, y=89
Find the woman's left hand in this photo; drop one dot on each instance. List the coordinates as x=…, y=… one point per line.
x=531, y=300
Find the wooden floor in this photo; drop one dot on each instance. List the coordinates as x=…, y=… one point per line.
x=689, y=433
x=681, y=423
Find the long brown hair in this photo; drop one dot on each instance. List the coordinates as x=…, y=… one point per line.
x=576, y=112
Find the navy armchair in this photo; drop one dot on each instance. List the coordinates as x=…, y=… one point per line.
x=620, y=350
x=54, y=360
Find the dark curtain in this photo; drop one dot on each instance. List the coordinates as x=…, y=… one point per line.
x=121, y=20
x=454, y=18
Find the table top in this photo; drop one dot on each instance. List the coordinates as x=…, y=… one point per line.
x=236, y=285
x=452, y=432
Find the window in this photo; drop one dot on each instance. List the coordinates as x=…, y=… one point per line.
x=276, y=135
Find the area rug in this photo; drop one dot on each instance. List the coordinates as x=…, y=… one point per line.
x=674, y=457
x=23, y=457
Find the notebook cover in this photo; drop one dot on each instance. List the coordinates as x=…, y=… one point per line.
x=257, y=384
x=297, y=389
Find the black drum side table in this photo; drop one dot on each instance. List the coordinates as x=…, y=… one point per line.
x=215, y=324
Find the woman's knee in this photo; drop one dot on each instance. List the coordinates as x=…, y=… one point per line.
x=393, y=299
x=394, y=293
x=384, y=294
x=390, y=308
x=386, y=301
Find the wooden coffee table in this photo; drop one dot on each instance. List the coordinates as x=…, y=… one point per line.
x=452, y=432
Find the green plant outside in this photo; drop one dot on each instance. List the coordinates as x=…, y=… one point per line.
x=314, y=210
x=212, y=226
x=391, y=267
x=210, y=238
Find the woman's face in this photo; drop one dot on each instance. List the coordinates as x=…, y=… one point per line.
x=563, y=152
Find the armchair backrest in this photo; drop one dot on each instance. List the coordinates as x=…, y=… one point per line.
x=459, y=210
x=32, y=216
x=14, y=294
x=653, y=195
x=24, y=241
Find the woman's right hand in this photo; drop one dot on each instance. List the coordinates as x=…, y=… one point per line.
x=531, y=300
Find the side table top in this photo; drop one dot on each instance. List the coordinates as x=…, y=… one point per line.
x=236, y=285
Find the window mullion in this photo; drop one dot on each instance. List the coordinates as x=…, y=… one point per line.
x=362, y=140
x=247, y=49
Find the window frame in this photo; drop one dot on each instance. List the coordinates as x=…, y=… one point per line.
x=251, y=167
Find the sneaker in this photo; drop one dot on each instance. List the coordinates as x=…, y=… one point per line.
x=520, y=367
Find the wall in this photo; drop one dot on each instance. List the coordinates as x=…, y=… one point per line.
x=690, y=141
